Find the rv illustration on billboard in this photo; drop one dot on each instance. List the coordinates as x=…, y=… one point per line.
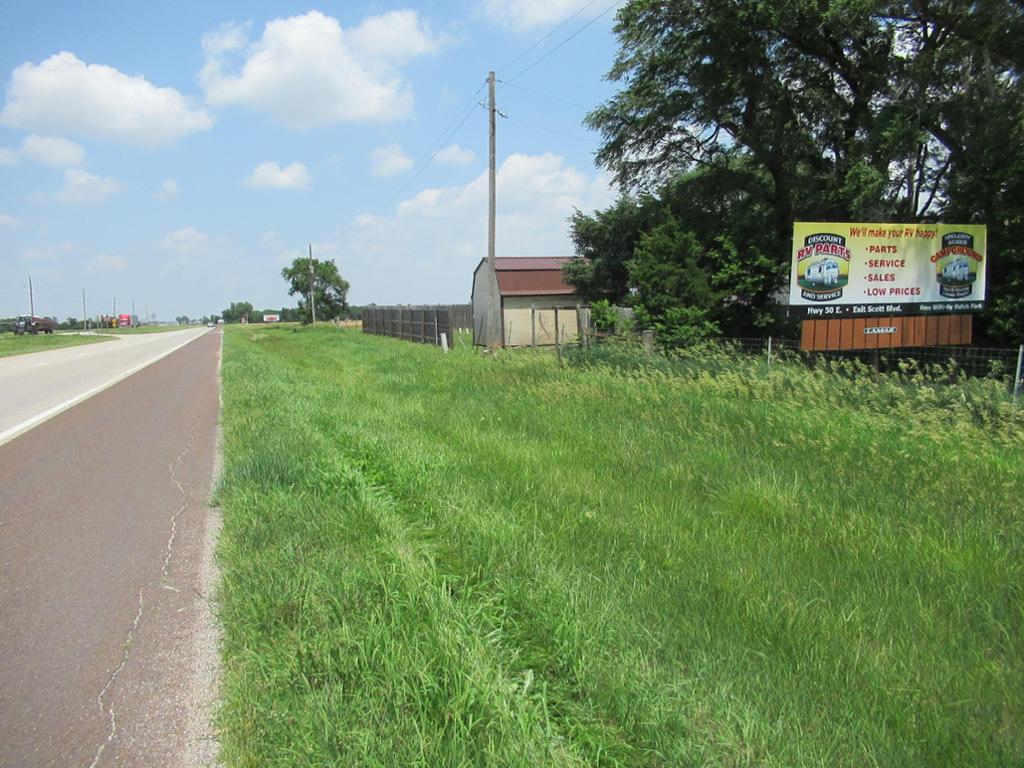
x=823, y=266
x=956, y=265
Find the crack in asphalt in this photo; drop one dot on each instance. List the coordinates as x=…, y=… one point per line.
x=168, y=553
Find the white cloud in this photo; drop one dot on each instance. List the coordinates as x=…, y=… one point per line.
x=527, y=15
x=188, y=249
x=105, y=261
x=53, y=151
x=455, y=155
x=65, y=95
x=307, y=71
x=270, y=175
x=8, y=222
x=83, y=187
x=436, y=238
x=45, y=255
x=8, y=157
x=389, y=160
x=169, y=190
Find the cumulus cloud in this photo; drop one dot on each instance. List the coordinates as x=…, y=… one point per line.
x=389, y=160
x=8, y=222
x=307, y=71
x=436, y=238
x=8, y=157
x=66, y=95
x=189, y=250
x=528, y=15
x=46, y=254
x=270, y=175
x=84, y=187
x=53, y=151
x=106, y=261
x=453, y=154
x=168, y=190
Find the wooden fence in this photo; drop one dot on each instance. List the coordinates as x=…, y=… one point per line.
x=421, y=323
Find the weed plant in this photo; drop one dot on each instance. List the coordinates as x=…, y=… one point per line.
x=488, y=559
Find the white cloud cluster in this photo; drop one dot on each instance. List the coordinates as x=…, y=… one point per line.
x=8, y=222
x=436, y=238
x=106, y=261
x=529, y=15
x=8, y=156
x=66, y=95
x=53, y=151
x=270, y=175
x=389, y=160
x=307, y=71
x=84, y=187
x=168, y=190
x=453, y=154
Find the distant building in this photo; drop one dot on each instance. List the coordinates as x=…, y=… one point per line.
x=535, y=302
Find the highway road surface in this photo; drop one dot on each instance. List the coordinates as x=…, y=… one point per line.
x=105, y=536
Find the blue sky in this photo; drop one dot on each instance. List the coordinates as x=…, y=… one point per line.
x=178, y=155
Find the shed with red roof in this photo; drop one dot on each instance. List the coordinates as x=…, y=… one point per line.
x=537, y=305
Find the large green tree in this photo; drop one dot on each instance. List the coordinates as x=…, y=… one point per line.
x=238, y=312
x=330, y=289
x=854, y=110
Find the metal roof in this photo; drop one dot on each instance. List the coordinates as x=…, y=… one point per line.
x=518, y=263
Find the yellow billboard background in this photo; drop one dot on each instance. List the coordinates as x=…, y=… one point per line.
x=931, y=267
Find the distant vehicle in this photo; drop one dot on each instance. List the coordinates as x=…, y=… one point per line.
x=957, y=271
x=824, y=272
x=26, y=324
x=127, y=321
x=211, y=325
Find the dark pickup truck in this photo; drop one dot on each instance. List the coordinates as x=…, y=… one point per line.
x=25, y=324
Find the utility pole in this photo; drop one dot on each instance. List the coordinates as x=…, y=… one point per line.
x=312, y=296
x=85, y=316
x=31, y=301
x=494, y=309
x=133, y=307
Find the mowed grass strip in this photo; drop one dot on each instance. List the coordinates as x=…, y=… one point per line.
x=469, y=559
x=10, y=344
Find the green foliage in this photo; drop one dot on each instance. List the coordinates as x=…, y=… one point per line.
x=238, y=312
x=604, y=316
x=867, y=110
x=330, y=290
x=785, y=567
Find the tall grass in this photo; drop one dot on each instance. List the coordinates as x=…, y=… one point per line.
x=473, y=559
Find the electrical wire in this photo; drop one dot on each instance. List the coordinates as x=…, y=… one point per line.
x=549, y=96
x=578, y=137
x=547, y=36
x=575, y=34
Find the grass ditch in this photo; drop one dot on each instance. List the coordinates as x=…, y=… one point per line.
x=11, y=344
x=492, y=560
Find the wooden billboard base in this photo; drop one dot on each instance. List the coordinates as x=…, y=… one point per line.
x=888, y=333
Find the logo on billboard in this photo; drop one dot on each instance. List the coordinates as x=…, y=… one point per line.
x=956, y=265
x=823, y=266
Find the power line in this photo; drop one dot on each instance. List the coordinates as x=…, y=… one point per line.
x=575, y=34
x=578, y=137
x=547, y=36
x=549, y=96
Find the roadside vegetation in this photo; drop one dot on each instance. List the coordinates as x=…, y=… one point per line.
x=468, y=559
x=21, y=345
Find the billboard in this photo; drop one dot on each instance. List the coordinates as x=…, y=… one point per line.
x=268, y=318
x=851, y=270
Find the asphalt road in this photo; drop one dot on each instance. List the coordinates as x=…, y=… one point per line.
x=104, y=522
x=38, y=385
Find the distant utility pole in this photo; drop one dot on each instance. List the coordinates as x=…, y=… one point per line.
x=133, y=306
x=31, y=300
x=494, y=309
x=85, y=315
x=312, y=296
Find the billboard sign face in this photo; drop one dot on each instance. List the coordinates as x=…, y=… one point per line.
x=268, y=318
x=849, y=270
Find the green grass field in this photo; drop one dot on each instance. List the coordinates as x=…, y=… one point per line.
x=21, y=345
x=475, y=560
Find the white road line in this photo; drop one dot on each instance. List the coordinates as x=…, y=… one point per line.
x=49, y=413
x=36, y=365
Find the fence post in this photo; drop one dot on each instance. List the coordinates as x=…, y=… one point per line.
x=581, y=326
x=769, y=353
x=1017, y=380
x=648, y=340
x=436, y=337
x=556, y=332
x=533, y=326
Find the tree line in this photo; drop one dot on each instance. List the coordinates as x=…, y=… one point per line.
x=733, y=119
